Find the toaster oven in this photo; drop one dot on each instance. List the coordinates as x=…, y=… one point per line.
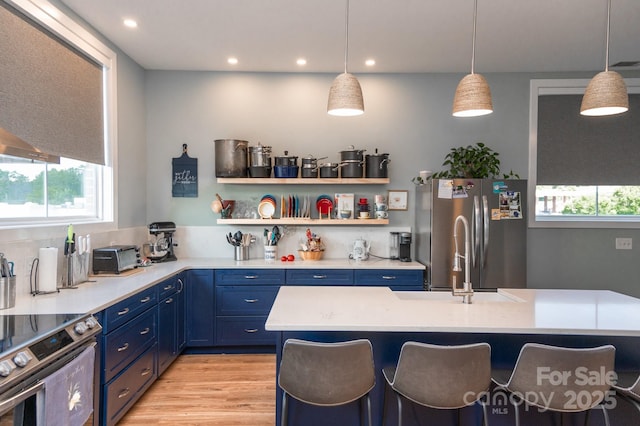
x=115, y=259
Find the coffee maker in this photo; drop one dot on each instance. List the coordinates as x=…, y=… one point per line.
x=405, y=247
x=163, y=245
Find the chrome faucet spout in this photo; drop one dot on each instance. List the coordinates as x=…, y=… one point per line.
x=467, y=289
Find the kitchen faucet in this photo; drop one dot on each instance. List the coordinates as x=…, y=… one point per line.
x=467, y=290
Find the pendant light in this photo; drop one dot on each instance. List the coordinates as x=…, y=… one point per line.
x=473, y=96
x=606, y=93
x=345, y=95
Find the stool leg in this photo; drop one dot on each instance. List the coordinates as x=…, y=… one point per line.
x=369, y=410
x=399, y=410
x=605, y=414
x=284, y=418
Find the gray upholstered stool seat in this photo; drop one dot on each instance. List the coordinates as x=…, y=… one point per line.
x=554, y=378
x=442, y=377
x=327, y=374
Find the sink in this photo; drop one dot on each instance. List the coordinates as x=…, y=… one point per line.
x=447, y=297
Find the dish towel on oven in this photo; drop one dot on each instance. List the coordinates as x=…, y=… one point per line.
x=68, y=392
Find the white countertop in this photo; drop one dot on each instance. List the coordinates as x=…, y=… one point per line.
x=520, y=311
x=101, y=292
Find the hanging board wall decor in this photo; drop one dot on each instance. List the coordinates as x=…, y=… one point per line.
x=185, y=175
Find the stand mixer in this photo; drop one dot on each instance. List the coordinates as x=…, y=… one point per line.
x=161, y=250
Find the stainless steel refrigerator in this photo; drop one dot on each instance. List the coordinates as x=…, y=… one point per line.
x=494, y=209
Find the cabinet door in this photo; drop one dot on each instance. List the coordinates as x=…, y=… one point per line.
x=181, y=312
x=319, y=277
x=167, y=312
x=200, y=307
x=396, y=279
x=249, y=276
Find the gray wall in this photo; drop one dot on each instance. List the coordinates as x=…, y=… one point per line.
x=407, y=115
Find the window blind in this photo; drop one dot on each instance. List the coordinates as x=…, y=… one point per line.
x=577, y=150
x=51, y=96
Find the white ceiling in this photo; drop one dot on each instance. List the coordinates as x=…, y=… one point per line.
x=401, y=35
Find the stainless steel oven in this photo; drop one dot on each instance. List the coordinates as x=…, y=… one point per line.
x=32, y=348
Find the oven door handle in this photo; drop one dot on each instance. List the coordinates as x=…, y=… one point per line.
x=20, y=397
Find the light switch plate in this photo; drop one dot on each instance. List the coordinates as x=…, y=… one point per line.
x=624, y=243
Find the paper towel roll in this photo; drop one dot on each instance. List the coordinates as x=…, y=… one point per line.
x=48, y=269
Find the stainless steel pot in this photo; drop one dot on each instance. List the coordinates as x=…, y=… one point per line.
x=351, y=169
x=376, y=165
x=351, y=154
x=260, y=156
x=231, y=157
x=329, y=170
x=287, y=160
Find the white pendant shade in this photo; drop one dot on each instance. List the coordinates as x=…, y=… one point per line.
x=473, y=97
x=345, y=96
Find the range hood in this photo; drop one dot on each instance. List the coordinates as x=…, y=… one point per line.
x=14, y=146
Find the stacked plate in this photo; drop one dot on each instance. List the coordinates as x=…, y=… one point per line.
x=267, y=206
x=324, y=205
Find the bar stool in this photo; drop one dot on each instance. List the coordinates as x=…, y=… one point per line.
x=441, y=377
x=628, y=385
x=327, y=374
x=554, y=378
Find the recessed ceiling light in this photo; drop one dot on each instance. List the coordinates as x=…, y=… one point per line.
x=232, y=61
x=301, y=61
x=370, y=62
x=130, y=23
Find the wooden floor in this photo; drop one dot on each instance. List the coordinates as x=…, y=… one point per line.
x=229, y=390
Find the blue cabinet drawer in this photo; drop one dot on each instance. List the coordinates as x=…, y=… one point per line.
x=129, y=386
x=167, y=288
x=396, y=279
x=123, y=311
x=319, y=277
x=126, y=343
x=249, y=276
x=243, y=331
x=245, y=300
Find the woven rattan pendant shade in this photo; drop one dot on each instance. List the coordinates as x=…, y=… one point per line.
x=473, y=97
x=606, y=93
x=345, y=96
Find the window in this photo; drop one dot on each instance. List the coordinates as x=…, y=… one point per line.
x=582, y=170
x=78, y=190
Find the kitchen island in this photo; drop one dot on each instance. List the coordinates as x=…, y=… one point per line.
x=506, y=320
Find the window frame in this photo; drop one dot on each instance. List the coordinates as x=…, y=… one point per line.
x=52, y=18
x=540, y=87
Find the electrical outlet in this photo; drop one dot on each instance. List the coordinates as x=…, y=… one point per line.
x=624, y=243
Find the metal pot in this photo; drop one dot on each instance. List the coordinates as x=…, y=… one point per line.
x=351, y=154
x=310, y=166
x=329, y=170
x=376, y=165
x=260, y=156
x=231, y=157
x=287, y=160
x=351, y=169
x=259, y=171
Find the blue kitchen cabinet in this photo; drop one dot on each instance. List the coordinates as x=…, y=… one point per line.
x=171, y=321
x=243, y=300
x=319, y=277
x=128, y=353
x=200, y=317
x=411, y=279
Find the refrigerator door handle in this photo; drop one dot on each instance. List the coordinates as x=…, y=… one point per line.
x=485, y=213
x=475, y=230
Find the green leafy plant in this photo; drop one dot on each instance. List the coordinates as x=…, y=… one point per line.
x=477, y=161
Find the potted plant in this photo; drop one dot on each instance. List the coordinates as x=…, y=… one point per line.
x=473, y=161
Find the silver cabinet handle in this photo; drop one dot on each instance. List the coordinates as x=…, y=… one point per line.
x=123, y=348
x=124, y=392
x=319, y=277
x=169, y=300
x=250, y=277
x=145, y=331
x=145, y=372
x=124, y=311
x=169, y=287
x=251, y=300
x=388, y=277
x=180, y=285
x=250, y=330
x=145, y=300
